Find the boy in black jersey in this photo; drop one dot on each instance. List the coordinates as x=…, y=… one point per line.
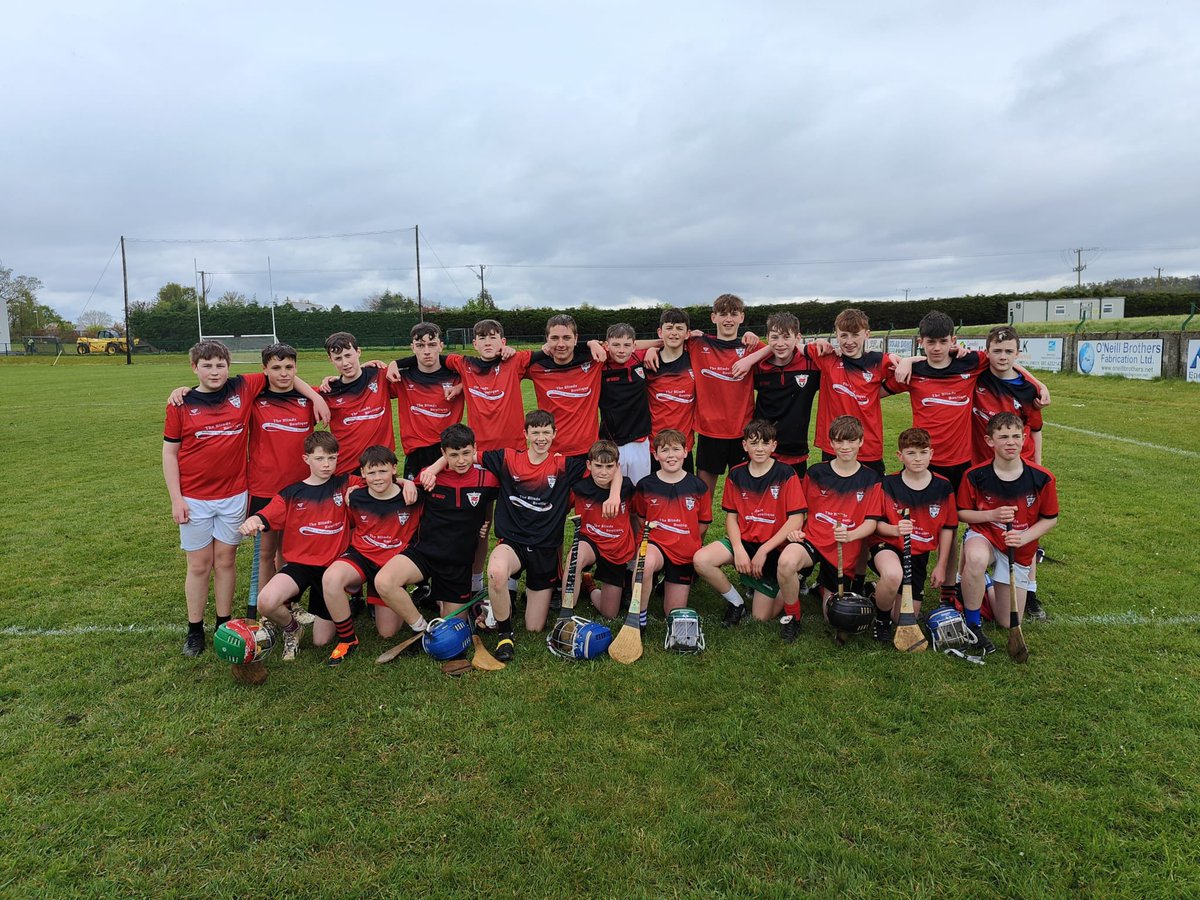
x=624, y=406
x=929, y=524
x=608, y=542
x=763, y=503
x=786, y=382
x=455, y=497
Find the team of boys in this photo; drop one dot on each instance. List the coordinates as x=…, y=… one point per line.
x=349, y=525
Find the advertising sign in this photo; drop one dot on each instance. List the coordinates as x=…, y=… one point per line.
x=1192, y=365
x=1042, y=353
x=1131, y=359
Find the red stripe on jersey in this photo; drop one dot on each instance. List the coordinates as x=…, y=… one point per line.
x=424, y=411
x=833, y=499
x=931, y=509
x=492, y=389
x=614, y=538
x=1033, y=493
x=996, y=395
x=572, y=393
x=762, y=503
x=724, y=404
x=941, y=404
x=681, y=510
x=851, y=387
x=381, y=528
x=361, y=416
x=453, y=513
x=672, y=396
x=212, y=430
x=784, y=396
x=312, y=518
x=279, y=425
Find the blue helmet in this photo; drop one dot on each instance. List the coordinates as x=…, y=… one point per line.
x=446, y=638
x=948, y=629
x=578, y=638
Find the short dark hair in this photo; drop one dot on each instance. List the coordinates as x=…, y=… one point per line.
x=1002, y=333
x=669, y=436
x=562, y=319
x=278, y=351
x=377, y=455
x=1004, y=420
x=673, y=316
x=604, y=452
x=914, y=438
x=846, y=428
x=729, y=303
x=339, y=341
x=321, y=440
x=936, y=324
x=539, y=418
x=457, y=436
x=484, y=327
x=620, y=329
x=783, y=322
x=208, y=350
x=759, y=430
x=424, y=330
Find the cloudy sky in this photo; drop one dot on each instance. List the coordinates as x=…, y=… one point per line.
x=610, y=153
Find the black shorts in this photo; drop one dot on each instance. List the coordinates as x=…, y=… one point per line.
x=257, y=505
x=606, y=570
x=367, y=571
x=715, y=455
x=673, y=572
x=771, y=568
x=826, y=571
x=875, y=465
x=920, y=568
x=308, y=578
x=542, y=565
x=953, y=474
x=688, y=465
x=448, y=582
x=420, y=458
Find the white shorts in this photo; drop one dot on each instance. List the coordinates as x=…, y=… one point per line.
x=635, y=459
x=1000, y=563
x=213, y=520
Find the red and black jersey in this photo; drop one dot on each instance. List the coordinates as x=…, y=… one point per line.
x=534, y=498
x=785, y=397
x=931, y=509
x=424, y=411
x=1033, y=493
x=572, y=393
x=941, y=404
x=994, y=395
x=312, y=518
x=624, y=406
x=724, y=403
x=492, y=389
x=671, y=393
x=279, y=425
x=453, y=513
x=211, y=428
x=381, y=528
x=762, y=503
x=361, y=416
x=614, y=538
x=832, y=499
x=681, y=510
x=851, y=387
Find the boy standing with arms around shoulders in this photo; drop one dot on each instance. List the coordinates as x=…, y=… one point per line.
x=671, y=386
x=567, y=384
x=624, y=406
x=763, y=503
x=786, y=382
x=1005, y=503
x=424, y=409
x=360, y=402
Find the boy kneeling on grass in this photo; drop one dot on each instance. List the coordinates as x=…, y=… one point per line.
x=607, y=542
x=1006, y=503
x=763, y=504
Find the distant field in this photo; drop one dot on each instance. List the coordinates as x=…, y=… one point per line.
x=756, y=769
x=1136, y=324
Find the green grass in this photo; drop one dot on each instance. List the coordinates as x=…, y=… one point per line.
x=757, y=769
x=1136, y=324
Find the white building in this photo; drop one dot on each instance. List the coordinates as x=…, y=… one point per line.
x=1066, y=309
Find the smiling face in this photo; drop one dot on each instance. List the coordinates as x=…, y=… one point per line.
x=727, y=323
x=620, y=349
x=348, y=362
x=853, y=343
x=281, y=374
x=782, y=344
x=673, y=334
x=212, y=373
x=539, y=438
x=846, y=450
x=459, y=459
x=670, y=457
x=562, y=341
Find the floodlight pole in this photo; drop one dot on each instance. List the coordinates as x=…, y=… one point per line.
x=125, y=284
x=271, y=288
x=417, y=238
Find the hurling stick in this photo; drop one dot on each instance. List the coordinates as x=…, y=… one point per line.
x=840, y=637
x=568, y=598
x=388, y=655
x=627, y=646
x=482, y=658
x=252, y=599
x=1016, y=640
x=908, y=637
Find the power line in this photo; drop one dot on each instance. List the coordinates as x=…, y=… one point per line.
x=98, y=280
x=444, y=269
x=259, y=240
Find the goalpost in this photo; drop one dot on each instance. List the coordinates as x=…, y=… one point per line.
x=243, y=348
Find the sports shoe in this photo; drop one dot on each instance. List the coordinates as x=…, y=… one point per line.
x=301, y=615
x=984, y=644
x=881, y=630
x=506, y=650
x=789, y=628
x=587, y=584
x=292, y=638
x=341, y=651
x=1034, y=609
x=193, y=645
x=733, y=614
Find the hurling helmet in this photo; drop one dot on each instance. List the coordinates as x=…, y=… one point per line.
x=240, y=641
x=949, y=634
x=446, y=638
x=684, y=634
x=850, y=613
x=578, y=638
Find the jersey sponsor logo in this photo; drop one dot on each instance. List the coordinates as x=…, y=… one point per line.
x=485, y=394
x=537, y=506
x=365, y=416
x=802, y=380
x=671, y=398
x=945, y=401
x=432, y=413
x=606, y=534
x=570, y=395
x=765, y=520
x=279, y=426
x=382, y=543
x=850, y=392
x=227, y=431
x=826, y=518
x=774, y=492
x=235, y=401
x=317, y=530
x=720, y=376
x=674, y=529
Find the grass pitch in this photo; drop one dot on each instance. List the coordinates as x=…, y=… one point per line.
x=757, y=769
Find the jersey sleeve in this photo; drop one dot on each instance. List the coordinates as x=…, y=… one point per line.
x=793, y=496
x=492, y=461
x=1048, y=500
x=576, y=469
x=639, y=503
x=966, y=498
x=949, y=513
x=274, y=513
x=173, y=427
x=874, y=504
x=455, y=363
x=706, y=509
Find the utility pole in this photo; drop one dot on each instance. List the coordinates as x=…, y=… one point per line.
x=203, y=289
x=125, y=284
x=905, y=295
x=1080, y=265
x=417, y=239
x=481, y=267
x=1158, y=276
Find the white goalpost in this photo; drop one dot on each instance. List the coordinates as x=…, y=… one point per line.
x=244, y=348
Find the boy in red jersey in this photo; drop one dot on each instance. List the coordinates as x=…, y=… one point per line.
x=624, y=406
x=1004, y=389
x=311, y=514
x=930, y=525
x=1005, y=503
x=360, y=402
x=383, y=522
x=426, y=408
x=763, y=503
x=844, y=501
x=608, y=542
x=680, y=505
x=567, y=384
x=786, y=383
x=454, y=504
x=671, y=384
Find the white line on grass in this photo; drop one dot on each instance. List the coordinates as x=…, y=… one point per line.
x=1124, y=618
x=1124, y=440
x=22, y=631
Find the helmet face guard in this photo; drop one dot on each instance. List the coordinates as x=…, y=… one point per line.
x=578, y=638
x=446, y=638
x=850, y=613
x=949, y=634
x=684, y=634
